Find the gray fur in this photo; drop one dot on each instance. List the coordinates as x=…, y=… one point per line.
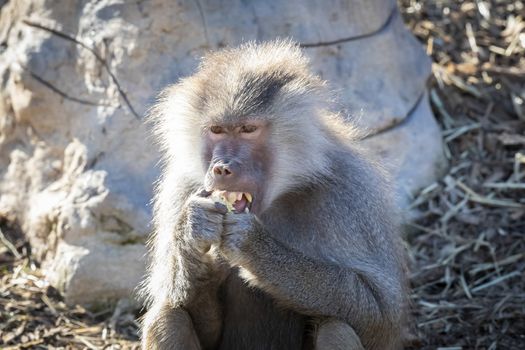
x=325, y=249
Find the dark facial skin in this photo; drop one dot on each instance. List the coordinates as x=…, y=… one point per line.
x=238, y=159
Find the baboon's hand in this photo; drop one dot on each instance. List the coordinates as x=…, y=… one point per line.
x=238, y=230
x=204, y=220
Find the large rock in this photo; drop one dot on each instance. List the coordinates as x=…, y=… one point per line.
x=412, y=151
x=76, y=164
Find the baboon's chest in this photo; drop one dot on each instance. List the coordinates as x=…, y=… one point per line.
x=253, y=321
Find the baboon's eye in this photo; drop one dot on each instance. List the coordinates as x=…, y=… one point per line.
x=248, y=129
x=215, y=129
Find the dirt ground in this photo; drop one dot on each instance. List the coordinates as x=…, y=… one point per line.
x=467, y=245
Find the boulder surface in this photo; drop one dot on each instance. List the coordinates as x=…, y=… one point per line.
x=77, y=166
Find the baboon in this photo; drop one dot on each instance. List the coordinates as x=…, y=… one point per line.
x=273, y=228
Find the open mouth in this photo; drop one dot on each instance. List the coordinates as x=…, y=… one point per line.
x=238, y=202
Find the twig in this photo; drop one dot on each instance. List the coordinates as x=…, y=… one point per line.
x=434, y=97
x=505, y=185
x=511, y=71
x=471, y=38
x=496, y=281
x=455, y=133
x=9, y=245
x=473, y=196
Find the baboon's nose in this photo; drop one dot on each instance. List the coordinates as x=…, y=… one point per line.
x=222, y=170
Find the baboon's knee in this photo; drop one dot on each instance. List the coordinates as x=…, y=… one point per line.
x=337, y=335
x=169, y=328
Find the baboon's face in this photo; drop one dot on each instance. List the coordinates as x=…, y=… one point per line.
x=238, y=158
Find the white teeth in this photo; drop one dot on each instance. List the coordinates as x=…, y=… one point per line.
x=232, y=197
x=229, y=198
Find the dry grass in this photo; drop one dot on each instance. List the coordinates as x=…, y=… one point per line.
x=467, y=248
x=33, y=315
